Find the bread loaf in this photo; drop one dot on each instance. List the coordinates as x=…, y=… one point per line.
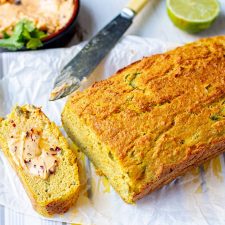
x=155, y=119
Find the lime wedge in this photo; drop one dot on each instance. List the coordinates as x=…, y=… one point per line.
x=193, y=15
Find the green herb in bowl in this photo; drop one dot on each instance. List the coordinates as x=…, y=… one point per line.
x=25, y=34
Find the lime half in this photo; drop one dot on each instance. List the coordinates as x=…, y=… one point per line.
x=193, y=15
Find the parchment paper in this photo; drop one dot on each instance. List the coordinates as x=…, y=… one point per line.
x=196, y=198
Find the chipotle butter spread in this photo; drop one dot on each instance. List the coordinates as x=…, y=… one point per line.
x=47, y=15
x=26, y=151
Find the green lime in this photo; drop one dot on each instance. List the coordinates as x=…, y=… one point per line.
x=193, y=15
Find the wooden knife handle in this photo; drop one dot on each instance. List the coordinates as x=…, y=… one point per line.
x=137, y=5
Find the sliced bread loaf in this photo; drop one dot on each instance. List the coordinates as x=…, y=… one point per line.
x=155, y=119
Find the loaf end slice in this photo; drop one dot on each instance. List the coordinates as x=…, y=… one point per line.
x=40, y=155
x=155, y=119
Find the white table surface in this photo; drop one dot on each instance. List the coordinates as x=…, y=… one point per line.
x=152, y=22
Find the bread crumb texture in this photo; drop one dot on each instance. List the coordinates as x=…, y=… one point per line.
x=155, y=119
x=52, y=194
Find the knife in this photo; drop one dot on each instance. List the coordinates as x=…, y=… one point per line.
x=77, y=70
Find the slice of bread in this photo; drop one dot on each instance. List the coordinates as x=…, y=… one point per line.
x=40, y=155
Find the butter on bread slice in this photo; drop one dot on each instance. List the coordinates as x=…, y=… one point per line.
x=40, y=155
x=155, y=119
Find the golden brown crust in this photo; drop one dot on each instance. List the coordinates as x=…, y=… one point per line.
x=60, y=207
x=158, y=113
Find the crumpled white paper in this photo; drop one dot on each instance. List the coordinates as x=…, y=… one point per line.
x=196, y=198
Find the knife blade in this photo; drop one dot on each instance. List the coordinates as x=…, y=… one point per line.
x=77, y=70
